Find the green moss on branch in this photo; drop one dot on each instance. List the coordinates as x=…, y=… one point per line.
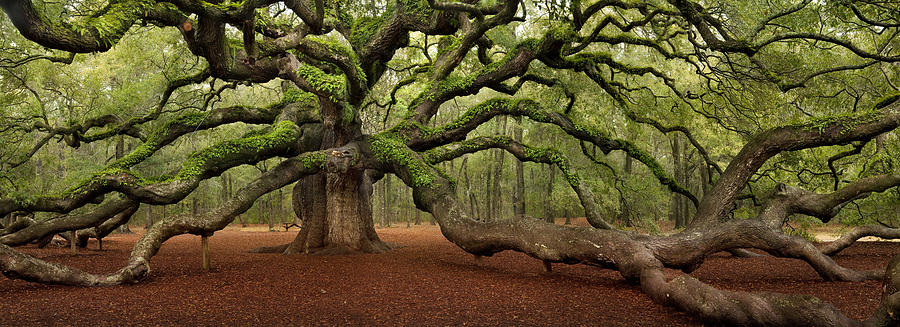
x=283, y=134
x=390, y=148
x=332, y=85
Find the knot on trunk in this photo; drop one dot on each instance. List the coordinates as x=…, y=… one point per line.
x=342, y=159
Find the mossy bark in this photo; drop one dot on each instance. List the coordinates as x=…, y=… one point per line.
x=336, y=207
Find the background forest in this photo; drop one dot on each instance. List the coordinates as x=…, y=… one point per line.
x=130, y=79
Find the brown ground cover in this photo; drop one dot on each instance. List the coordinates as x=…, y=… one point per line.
x=429, y=282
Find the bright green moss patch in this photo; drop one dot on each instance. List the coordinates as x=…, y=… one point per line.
x=362, y=30
x=283, y=133
x=293, y=95
x=419, y=9
x=457, y=83
x=326, y=83
x=336, y=47
x=99, y=179
x=562, y=32
x=648, y=160
x=553, y=156
x=101, y=135
x=314, y=159
x=136, y=156
x=109, y=27
x=348, y=115
x=389, y=148
x=446, y=44
x=496, y=104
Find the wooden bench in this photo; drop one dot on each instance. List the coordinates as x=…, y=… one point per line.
x=287, y=226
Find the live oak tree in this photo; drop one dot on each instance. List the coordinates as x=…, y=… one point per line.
x=773, y=77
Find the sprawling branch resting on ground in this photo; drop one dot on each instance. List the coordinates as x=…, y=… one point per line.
x=14, y=264
x=642, y=259
x=847, y=239
x=68, y=222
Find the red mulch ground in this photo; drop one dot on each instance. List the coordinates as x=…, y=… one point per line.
x=429, y=282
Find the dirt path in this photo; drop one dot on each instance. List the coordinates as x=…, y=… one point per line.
x=429, y=282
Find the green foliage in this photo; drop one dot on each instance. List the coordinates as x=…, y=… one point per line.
x=332, y=85
x=553, y=156
x=363, y=29
x=720, y=102
x=845, y=120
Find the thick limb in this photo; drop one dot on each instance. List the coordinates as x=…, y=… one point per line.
x=640, y=260
x=688, y=250
x=280, y=141
x=285, y=173
x=523, y=153
x=106, y=227
x=99, y=34
x=788, y=200
x=848, y=238
x=425, y=138
x=15, y=265
x=64, y=223
x=21, y=266
x=754, y=154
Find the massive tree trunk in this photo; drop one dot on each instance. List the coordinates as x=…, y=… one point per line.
x=349, y=215
x=336, y=207
x=308, y=201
